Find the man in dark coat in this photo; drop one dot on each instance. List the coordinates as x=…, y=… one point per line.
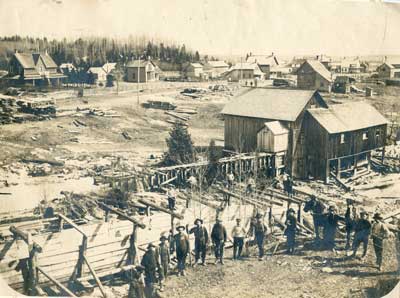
x=163, y=252
x=218, y=237
x=350, y=217
x=317, y=208
x=290, y=231
x=362, y=231
x=379, y=233
x=200, y=241
x=259, y=231
x=182, y=249
x=151, y=267
x=330, y=228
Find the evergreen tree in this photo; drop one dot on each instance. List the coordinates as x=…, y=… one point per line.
x=180, y=146
x=213, y=157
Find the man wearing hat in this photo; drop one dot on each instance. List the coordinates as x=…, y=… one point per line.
x=379, y=232
x=259, y=230
x=218, y=237
x=350, y=217
x=200, y=241
x=331, y=224
x=151, y=266
x=171, y=194
x=163, y=252
x=238, y=234
x=362, y=230
x=182, y=249
x=290, y=231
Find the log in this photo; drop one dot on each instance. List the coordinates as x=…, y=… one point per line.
x=71, y=223
x=55, y=282
x=160, y=208
x=98, y=282
x=41, y=161
x=25, y=236
x=124, y=216
x=169, y=180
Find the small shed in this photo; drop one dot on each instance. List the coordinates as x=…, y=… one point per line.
x=273, y=137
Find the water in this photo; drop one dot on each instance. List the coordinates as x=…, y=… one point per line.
x=31, y=190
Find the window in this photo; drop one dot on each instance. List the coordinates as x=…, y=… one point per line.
x=365, y=135
x=342, y=138
x=133, y=76
x=378, y=134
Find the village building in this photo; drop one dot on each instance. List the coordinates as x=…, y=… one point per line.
x=248, y=117
x=342, y=84
x=34, y=69
x=96, y=76
x=313, y=75
x=215, y=69
x=346, y=135
x=194, y=71
x=346, y=65
x=265, y=63
x=142, y=71
x=370, y=66
x=66, y=68
x=390, y=69
x=244, y=71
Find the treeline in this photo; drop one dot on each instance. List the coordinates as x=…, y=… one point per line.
x=95, y=51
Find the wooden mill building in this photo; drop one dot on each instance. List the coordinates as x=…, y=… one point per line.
x=314, y=138
x=247, y=116
x=313, y=75
x=346, y=135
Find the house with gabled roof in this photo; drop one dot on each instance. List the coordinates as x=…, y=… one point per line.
x=215, y=69
x=143, y=71
x=243, y=71
x=346, y=135
x=265, y=63
x=34, y=68
x=390, y=69
x=313, y=75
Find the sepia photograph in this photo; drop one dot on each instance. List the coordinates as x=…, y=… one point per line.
x=200, y=149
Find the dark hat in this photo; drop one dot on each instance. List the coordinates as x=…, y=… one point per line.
x=363, y=212
x=349, y=201
x=291, y=210
x=179, y=227
x=313, y=197
x=198, y=219
x=332, y=208
x=139, y=268
x=378, y=216
x=163, y=238
x=238, y=219
x=259, y=215
x=150, y=245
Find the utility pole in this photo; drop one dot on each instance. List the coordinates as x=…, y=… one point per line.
x=138, y=81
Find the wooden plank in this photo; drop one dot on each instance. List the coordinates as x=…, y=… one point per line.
x=116, y=211
x=58, y=284
x=108, y=272
x=25, y=236
x=72, y=224
x=160, y=208
x=98, y=282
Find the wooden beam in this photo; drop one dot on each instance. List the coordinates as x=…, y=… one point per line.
x=55, y=282
x=96, y=278
x=25, y=236
x=72, y=224
x=169, y=180
x=108, y=272
x=124, y=216
x=160, y=208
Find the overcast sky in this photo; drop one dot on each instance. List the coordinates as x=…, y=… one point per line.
x=218, y=26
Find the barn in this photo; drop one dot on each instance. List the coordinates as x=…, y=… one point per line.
x=313, y=75
x=346, y=135
x=246, y=116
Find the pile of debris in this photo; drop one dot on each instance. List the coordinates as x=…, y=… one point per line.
x=158, y=104
x=194, y=92
x=180, y=116
x=8, y=107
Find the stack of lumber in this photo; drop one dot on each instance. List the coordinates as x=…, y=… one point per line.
x=178, y=118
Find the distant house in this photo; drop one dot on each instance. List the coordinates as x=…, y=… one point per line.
x=346, y=65
x=390, y=69
x=346, y=135
x=264, y=62
x=215, y=69
x=142, y=70
x=97, y=76
x=109, y=67
x=66, y=68
x=313, y=75
x=243, y=72
x=194, y=70
x=370, y=66
x=34, y=68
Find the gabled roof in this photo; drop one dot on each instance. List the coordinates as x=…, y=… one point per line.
x=108, y=67
x=345, y=117
x=135, y=63
x=263, y=60
x=393, y=62
x=247, y=66
x=196, y=65
x=219, y=63
x=274, y=104
x=29, y=60
x=276, y=127
x=319, y=68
